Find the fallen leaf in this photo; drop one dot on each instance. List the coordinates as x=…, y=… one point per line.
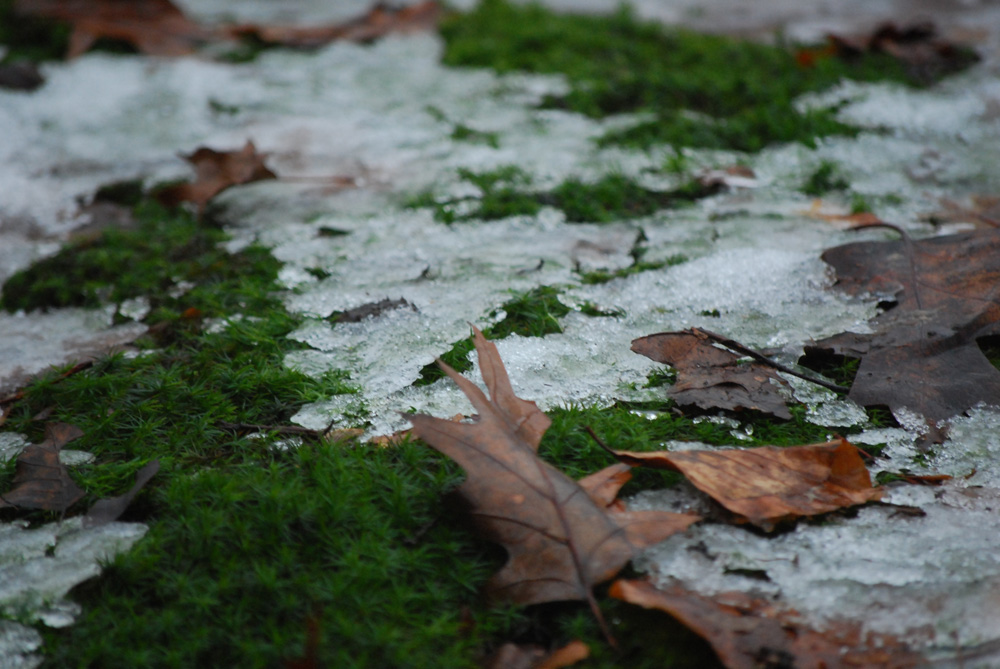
x=153, y=27
x=982, y=210
x=41, y=481
x=215, y=172
x=923, y=354
x=925, y=56
x=710, y=377
x=533, y=656
x=559, y=541
x=748, y=633
x=858, y=219
x=107, y=510
x=379, y=21
x=768, y=485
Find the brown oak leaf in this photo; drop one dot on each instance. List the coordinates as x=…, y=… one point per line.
x=41, y=481
x=923, y=354
x=768, y=484
x=561, y=538
x=215, y=172
x=749, y=633
x=713, y=378
x=153, y=27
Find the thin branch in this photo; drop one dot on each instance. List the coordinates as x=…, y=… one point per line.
x=740, y=348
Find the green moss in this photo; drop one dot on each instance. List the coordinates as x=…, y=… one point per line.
x=506, y=192
x=534, y=313
x=463, y=133
x=163, y=251
x=705, y=91
x=824, y=179
x=603, y=276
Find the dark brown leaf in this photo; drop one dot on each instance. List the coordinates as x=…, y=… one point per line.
x=533, y=656
x=917, y=46
x=768, y=485
x=559, y=541
x=378, y=22
x=712, y=378
x=923, y=354
x=215, y=172
x=41, y=481
x=153, y=27
x=748, y=633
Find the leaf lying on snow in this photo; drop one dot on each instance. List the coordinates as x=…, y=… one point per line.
x=154, y=27
x=215, y=172
x=923, y=353
x=748, y=633
x=561, y=537
x=712, y=378
x=41, y=481
x=769, y=484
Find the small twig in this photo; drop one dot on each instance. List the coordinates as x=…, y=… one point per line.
x=294, y=430
x=79, y=367
x=740, y=348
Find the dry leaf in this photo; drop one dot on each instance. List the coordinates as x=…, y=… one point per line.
x=712, y=378
x=153, y=27
x=560, y=542
x=769, y=484
x=41, y=481
x=923, y=354
x=215, y=172
x=748, y=633
x=379, y=21
x=925, y=56
x=533, y=656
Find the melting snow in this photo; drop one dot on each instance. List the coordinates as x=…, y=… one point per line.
x=361, y=113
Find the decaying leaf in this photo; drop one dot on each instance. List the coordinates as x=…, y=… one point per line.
x=153, y=27
x=925, y=55
x=379, y=21
x=712, y=378
x=215, y=172
x=560, y=542
x=768, y=484
x=515, y=656
x=41, y=481
x=923, y=354
x=749, y=633
x=160, y=28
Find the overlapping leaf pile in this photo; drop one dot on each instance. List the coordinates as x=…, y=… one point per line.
x=563, y=537
x=160, y=28
x=923, y=354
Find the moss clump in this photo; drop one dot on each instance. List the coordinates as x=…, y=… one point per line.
x=506, y=192
x=535, y=313
x=705, y=91
x=162, y=252
x=824, y=179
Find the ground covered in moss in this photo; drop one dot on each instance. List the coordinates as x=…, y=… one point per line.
x=268, y=545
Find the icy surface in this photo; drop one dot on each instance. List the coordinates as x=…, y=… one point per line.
x=366, y=127
x=31, y=343
x=933, y=579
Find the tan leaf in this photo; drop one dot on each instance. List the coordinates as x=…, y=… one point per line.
x=559, y=541
x=767, y=485
x=748, y=633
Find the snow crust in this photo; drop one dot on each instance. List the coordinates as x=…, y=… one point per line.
x=361, y=114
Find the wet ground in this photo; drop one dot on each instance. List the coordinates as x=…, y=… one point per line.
x=361, y=114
